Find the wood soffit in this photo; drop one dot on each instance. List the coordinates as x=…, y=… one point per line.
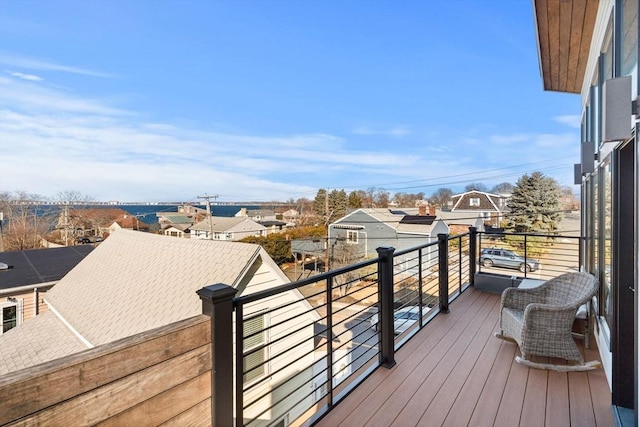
x=564, y=30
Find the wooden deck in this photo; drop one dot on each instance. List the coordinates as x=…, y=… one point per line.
x=456, y=373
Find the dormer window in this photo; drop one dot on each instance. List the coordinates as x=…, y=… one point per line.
x=474, y=201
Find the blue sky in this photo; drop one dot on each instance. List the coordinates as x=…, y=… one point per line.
x=270, y=100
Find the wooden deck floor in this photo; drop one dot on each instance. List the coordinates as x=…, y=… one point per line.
x=456, y=373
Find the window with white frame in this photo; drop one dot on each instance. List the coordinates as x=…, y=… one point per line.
x=255, y=351
x=352, y=236
x=474, y=201
x=10, y=315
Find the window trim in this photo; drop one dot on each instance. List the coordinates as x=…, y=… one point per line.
x=18, y=316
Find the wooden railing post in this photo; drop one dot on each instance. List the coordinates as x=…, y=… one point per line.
x=473, y=258
x=443, y=271
x=385, y=313
x=217, y=303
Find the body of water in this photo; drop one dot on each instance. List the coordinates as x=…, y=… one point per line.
x=147, y=213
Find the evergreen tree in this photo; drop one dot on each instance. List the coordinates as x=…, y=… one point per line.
x=337, y=205
x=319, y=202
x=534, y=204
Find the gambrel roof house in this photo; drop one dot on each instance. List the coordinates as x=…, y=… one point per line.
x=131, y=283
x=491, y=206
x=226, y=228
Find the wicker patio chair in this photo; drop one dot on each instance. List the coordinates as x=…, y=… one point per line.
x=540, y=320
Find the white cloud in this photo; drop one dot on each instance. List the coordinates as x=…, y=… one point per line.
x=397, y=131
x=53, y=140
x=25, y=95
x=23, y=76
x=573, y=121
x=37, y=64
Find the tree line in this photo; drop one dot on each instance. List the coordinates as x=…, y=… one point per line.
x=535, y=206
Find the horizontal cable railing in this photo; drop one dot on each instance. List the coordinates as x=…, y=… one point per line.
x=301, y=347
x=531, y=256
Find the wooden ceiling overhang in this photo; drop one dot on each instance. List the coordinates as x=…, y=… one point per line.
x=564, y=29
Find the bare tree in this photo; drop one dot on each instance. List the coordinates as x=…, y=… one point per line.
x=75, y=215
x=503, y=188
x=477, y=186
x=441, y=197
x=382, y=198
x=24, y=222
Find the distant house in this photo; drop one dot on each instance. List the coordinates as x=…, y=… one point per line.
x=491, y=207
x=290, y=216
x=264, y=217
x=225, y=228
x=459, y=222
x=257, y=214
x=177, y=223
x=90, y=221
x=128, y=222
x=359, y=233
x=177, y=230
x=26, y=276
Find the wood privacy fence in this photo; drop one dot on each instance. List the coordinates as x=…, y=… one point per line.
x=162, y=376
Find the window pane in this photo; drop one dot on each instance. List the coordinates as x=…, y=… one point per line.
x=9, y=317
x=253, y=363
x=607, y=231
x=629, y=47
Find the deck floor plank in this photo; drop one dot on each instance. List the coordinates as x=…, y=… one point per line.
x=535, y=399
x=455, y=373
x=404, y=374
x=465, y=403
x=557, y=400
x=440, y=406
x=430, y=384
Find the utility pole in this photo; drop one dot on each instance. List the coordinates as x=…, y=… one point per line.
x=327, y=215
x=209, y=213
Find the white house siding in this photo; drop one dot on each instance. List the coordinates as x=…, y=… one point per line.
x=290, y=316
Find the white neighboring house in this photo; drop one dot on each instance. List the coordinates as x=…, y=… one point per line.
x=226, y=228
x=134, y=282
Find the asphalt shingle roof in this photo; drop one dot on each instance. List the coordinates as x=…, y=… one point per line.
x=41, y=339
x=140, y=281
x=35, y=266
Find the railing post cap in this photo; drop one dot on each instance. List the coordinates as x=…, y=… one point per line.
x=385, y=250
x=217, y=293
x=443, y=235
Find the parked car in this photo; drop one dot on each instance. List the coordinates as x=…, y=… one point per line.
x=402, y=319
x=496, y=257
x=83, y=240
